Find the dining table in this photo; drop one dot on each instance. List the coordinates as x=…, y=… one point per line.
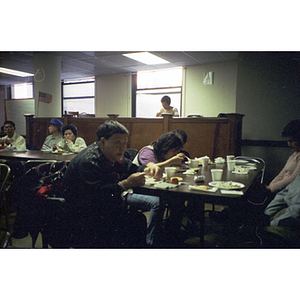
x=34, y=155
x=229, y=191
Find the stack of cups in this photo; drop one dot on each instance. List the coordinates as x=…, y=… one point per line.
x=230, y=163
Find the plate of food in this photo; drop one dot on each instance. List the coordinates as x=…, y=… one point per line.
x=227, y=185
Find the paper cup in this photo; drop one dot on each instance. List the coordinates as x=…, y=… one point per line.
x=170, y=172
x=229, y=157
x=230, y=165
x=205, y=162
x=216, y=174
x=194, y=163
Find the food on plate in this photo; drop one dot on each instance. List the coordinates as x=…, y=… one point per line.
x=203, y=187
x=178, y=178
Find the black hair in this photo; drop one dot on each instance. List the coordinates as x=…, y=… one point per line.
x=182, y=134
x=10, y=123
x=71, y=127
x=292, y=130
x=166, y=99
x=166, y=142
x=109, y=128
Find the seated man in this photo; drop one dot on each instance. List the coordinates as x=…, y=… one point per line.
x=286, y=205
x=11, y=137
x=54, y=136
x=97, y=184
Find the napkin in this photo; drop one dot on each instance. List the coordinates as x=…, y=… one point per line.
x=231, y=192
x=165, y=185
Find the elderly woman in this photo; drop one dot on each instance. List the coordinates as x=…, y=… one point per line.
x=71, y=142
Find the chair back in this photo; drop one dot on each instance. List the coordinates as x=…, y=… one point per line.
x=4, y=175
x=254, y=160
x=130, y=153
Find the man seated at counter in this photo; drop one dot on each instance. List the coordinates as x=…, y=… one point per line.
x=97, y=185
x=11, y=137
x=54, y=136
x=71, y=142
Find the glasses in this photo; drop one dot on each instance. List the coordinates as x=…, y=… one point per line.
x=7, y=127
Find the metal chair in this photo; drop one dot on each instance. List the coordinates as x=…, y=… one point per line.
x=35, y=162
x=254, y=160
x=4, y=175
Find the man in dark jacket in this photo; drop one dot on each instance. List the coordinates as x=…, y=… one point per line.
x=97, y=187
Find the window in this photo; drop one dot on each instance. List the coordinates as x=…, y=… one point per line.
x=22, y=91
x=79, y=95
x=153, y=85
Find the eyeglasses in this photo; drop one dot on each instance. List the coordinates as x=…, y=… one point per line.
x=7, y=127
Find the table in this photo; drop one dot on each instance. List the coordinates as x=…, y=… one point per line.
x=34, y=155
x=203, y=197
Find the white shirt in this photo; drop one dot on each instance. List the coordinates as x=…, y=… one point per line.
x=17, y=141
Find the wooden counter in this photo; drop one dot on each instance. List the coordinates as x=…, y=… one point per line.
x=206, y=136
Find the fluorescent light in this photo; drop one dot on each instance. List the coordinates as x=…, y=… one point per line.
x=14, y=72
x=146, y=58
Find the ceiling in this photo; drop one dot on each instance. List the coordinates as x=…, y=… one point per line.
x=79, y=64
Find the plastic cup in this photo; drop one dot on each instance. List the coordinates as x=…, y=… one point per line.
x=205, y=162
x=229, y=157
x=216, y=174
x=230, y=165
x=194, y=163
x=170, y=172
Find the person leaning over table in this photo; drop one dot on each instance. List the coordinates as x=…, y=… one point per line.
x=54, y=136
x=71, y=142
x=167, y=108
x=11, y=137
x=97, y=183
x=165, y=152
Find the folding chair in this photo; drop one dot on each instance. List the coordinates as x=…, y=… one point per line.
x=4, y=175
x=254, y=160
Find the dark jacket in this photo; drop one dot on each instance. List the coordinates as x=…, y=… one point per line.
x=91, y=183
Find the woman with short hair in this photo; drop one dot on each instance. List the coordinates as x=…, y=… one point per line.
x=71, y=142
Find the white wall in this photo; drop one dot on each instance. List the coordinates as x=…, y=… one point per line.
x=113, y=95
x=210, y=100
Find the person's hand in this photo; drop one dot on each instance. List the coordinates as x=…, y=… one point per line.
x=135, y=180
x=154, y=171
x=158, y=114
x=54, y=146
x=177, y=159
x=67, y=141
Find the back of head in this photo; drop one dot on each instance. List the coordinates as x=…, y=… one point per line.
x=292, y=130
x=166, y=142
x=109, y=128
x=71, y=127
x=182, y=134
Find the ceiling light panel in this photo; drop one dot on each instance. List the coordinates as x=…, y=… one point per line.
x=15, y=72
x=146, y=58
